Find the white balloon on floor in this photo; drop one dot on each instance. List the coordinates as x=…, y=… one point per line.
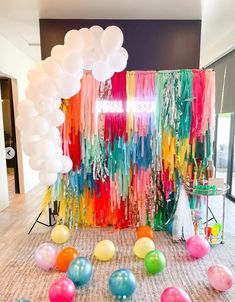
x=59, y=77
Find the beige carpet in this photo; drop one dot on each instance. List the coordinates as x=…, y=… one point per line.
x=21, y=278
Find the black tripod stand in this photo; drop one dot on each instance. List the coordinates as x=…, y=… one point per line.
x=51, y=217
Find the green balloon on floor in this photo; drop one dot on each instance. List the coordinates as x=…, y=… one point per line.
x=155, y=262
x=23, y=300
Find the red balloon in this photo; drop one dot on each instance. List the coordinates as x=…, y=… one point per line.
x=62, y=290
x=174, y=294
x=207, y=231
x=145, y=231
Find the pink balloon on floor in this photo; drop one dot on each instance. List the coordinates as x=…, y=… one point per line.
x=174, y=294
x=220, y=277
x=45, y=256
x=62, y=290
x=197, y=246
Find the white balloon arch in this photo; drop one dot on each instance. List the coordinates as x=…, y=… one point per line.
x=59, y=77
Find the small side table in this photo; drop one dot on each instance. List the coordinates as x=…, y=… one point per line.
x=209, y=193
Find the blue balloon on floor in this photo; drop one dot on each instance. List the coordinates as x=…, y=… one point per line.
x=80, y=271
x=122, y=284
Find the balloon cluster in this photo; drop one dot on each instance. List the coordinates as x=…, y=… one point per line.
x=78, y=269
x=144, y=248
x=59, y=77
x=122, y=282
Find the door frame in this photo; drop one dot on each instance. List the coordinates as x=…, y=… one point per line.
x=231, y=157
x=19, y=152
x=231, y=153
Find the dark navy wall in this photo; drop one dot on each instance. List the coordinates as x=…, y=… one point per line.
x=151, y=44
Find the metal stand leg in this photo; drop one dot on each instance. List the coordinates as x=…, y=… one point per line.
x=34, y=223
x=207, y=210
x=213, y=216
x=222, y=237
x=50, y=217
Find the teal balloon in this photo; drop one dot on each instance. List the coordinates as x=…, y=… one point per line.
x=80, y=271
x=23, y=300
x=169, y=226
x=122, y=284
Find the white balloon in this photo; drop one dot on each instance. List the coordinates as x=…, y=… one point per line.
x=44, y=108
x=59, y=51
x=53, y=165
x=87, y=37
x=30, y=93
x=45, y=105
x=124, y=52
x=97, y=32
x=58, y=151
x=35, y=74
x=29, y=148
x=52, y=67
x=99, y=55
x=112, y=39
x=56, y=102
x=42, y=99
x=24, y=123
x=53, y=135
x=46, y=86
x=27, y=109
x=67, y=85
x=40, y=126
x=27, y=138
x=102, y=71
x=73, y=63
x=89, y=58
x=35, y=163
x=45, y=149
x=74, y=40
x=47, y=178
x=56, y=118
x=118, y=61
x=67, y=164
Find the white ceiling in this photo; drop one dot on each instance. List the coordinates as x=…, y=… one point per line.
x=19, y=19
x=218, y=30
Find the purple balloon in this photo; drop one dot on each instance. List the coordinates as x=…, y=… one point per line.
x=220, y=277
x=45, y=256
x=197, y=246
x=174, y=294
x=62, y=290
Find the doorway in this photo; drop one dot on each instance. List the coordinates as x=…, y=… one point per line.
x=9, y=137
x=225, y=150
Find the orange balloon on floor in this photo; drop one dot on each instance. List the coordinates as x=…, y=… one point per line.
x=145, y=231
x=65, y=257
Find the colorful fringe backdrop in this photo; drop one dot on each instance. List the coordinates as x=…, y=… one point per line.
x=127, y=165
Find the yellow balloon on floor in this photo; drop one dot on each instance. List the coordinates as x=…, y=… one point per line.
x=104, y=250
x=60, y=234
x=143, y=246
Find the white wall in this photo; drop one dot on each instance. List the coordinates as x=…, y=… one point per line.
x=15, y=64
x=218, y=29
